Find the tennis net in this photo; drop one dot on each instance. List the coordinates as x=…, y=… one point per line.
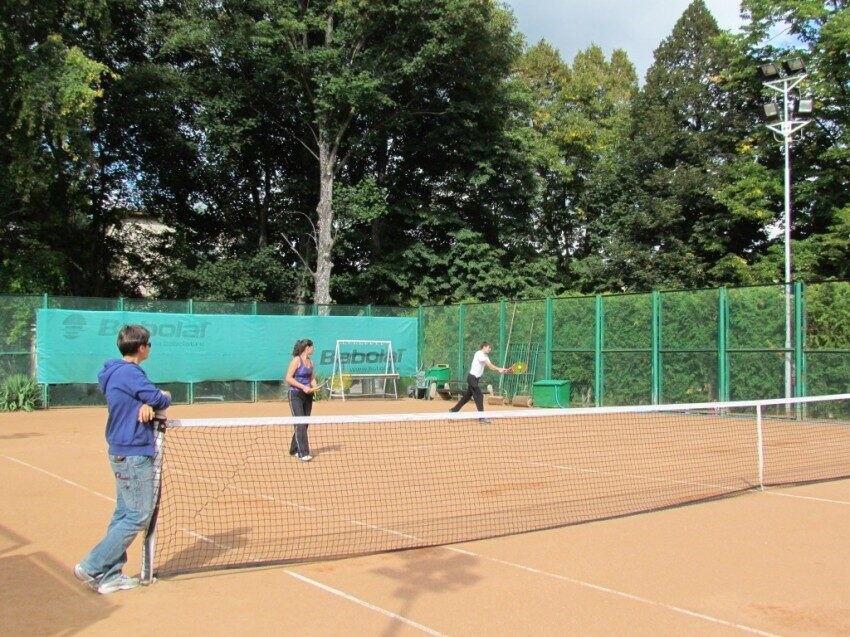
x=232, y=496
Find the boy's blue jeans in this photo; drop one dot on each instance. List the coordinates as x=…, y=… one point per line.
x=134, y=504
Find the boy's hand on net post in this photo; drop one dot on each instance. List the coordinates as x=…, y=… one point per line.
x=159, y=416
x=146, y=413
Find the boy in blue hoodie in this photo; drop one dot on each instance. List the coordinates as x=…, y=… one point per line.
x=132, y=401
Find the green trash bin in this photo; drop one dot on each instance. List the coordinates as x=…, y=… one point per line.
x=439, y=373
x=551, y=393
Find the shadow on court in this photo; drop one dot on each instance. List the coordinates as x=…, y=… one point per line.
x=206, y=550
x=21, y=435
x=427, y=571
x=39, y=596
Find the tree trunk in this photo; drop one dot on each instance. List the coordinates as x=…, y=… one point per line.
x=324, y=212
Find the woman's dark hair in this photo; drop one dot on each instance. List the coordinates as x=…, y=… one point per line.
x=131, y=338
x=300, y=345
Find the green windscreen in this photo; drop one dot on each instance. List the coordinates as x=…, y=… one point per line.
x=71, y=345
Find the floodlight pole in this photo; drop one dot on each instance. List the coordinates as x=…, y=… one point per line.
x=786, y=127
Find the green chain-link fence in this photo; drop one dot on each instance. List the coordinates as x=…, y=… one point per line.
x=626, y=349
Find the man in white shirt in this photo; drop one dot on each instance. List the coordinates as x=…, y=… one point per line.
x=476, y=371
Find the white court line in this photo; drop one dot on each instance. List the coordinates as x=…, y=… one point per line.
x=206, y=539
x=365, y=604
x=60, y=478
x=615, y=474
x=262, y=496
x=596, y=587
x=611, y=591
x=430, y=631
x=807, y=497
x=382, y=530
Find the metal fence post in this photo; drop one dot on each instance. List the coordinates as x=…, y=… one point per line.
x=722, y=351
x=655, y=345
x=598, y=342
x=799, y=341
x=420, y=340
x=45, y=388
x=502, y=353
x=547, y=339
x=461, y=336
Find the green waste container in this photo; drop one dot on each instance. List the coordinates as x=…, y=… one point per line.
x=439, y=373
x=551, y=393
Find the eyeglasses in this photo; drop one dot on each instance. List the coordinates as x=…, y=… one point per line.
x=148, y=344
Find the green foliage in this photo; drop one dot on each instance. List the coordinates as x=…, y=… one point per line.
x=51, y=89
x=819, y=33
x=673, y=219
x=447, y=162
x=577, y=115
x=19, y=392
x=256, y=277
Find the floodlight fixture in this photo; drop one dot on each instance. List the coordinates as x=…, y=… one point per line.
x=805, y=106
x=771, y=110
x=794, y=66
x=769, y=71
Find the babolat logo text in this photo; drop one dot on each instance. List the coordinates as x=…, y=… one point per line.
x=73, y=325
x=356, y=357
x=176, y=329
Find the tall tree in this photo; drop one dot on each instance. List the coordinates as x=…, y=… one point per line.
x=580, y=113
x=50, y=85
x=670, y=226
x=297, y=99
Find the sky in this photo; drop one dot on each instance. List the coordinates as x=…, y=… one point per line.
x=637, y=26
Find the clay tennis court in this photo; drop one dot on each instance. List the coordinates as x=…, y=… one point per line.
x=772, y=562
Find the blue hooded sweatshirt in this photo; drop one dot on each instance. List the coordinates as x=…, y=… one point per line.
x=126, y=388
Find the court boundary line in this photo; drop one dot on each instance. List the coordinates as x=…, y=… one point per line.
x=615, y=592
x=351, y=598
x=60, y=478
x=530, y=569
x=808, y=497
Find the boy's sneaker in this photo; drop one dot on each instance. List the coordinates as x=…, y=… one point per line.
x=120, y=583
x=306, y=458
x=85, y=578
x=484, y=421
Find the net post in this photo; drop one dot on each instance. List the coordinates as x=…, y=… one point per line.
x=760, y=443
x=149, y=543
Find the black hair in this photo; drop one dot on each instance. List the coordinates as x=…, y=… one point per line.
x=131, y=338
x=300, y=345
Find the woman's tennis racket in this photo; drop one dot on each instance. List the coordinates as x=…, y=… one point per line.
x=321, y=385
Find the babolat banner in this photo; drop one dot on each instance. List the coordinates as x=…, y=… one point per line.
x=71, y=346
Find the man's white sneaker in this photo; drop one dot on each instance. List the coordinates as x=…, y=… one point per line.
x=306, y=458
x=85, y=578
x=120, y=583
